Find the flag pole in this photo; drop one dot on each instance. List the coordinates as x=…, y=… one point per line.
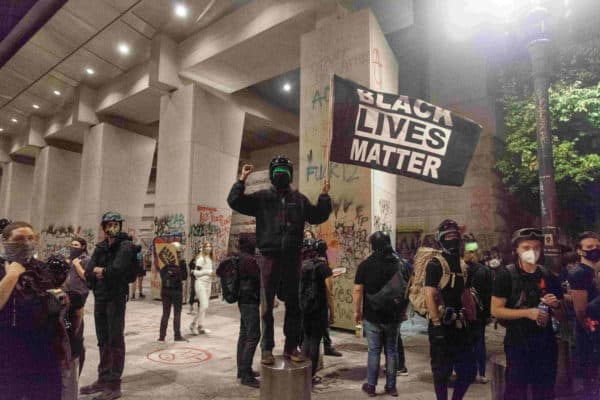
x=327, y=155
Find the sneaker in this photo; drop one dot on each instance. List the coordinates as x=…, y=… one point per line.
x=193, y=329
x=391, y=391
x=482, y=379
x=93, y=388
x=250, y=381
x=180, y=339
x=295, y=356
x=316, y=380
x=332, y=352
x=402, y=372
x=267, y=358
x=204, y=331
x=161, y=339
x=369, y=390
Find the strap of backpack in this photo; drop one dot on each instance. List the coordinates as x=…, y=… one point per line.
x=516, y=289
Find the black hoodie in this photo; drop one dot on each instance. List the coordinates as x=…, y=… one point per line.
x=280, y=216
x=115, y=259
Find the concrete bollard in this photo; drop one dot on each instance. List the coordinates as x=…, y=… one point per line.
x=498, y=368
x=285, y=380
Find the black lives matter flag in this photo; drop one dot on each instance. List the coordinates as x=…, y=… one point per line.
x=400, y=135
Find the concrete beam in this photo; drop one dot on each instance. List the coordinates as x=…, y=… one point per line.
x=252, y=104
x=256, y=42
x=164, y=63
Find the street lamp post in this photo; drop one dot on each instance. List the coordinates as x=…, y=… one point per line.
x=539, y=51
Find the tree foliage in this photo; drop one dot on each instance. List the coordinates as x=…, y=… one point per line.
x=575, y=128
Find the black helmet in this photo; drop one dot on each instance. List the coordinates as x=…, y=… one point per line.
x=380, y=240
x=59, y=268
x=526, y=234
x=446, y=226
x=111, y=216
x=281, y=162
x=4, y=222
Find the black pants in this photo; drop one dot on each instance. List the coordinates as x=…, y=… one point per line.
x=174, y=298
x=279, y=274
x=327, y=343
x=109, y=316
x=531, y=363
x=314, y=327
x=248, y=339
x=454, y=352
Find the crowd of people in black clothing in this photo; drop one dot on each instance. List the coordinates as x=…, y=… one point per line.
x=459, y=288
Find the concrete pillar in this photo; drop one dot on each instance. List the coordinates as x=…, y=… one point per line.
x=55, y=206
x=17, y=191
x=364, y=200
x=115, y=169
x=199, y=144
x=56, y=179
x=459, y=80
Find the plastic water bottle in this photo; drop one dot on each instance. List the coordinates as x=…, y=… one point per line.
x=544, y=308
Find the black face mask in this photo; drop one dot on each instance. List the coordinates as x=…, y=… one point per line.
x=451, y=246
x=75, y=252
x=281, y=180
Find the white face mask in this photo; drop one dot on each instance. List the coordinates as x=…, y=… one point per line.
x=494, y=263
x=530, y=256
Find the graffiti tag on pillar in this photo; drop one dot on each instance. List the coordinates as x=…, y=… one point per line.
x=320, y=97
x=377, y=68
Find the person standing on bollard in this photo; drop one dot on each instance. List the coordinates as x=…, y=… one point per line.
x=524, y=297
x=280, y=214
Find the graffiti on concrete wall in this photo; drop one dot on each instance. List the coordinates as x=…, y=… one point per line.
x=169, y=224
x=383, y=220
x=57, y=239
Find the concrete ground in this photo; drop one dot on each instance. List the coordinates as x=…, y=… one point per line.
x=205, y=367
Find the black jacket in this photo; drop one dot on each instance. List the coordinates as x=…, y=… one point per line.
x=115, y=260
x=279, y=217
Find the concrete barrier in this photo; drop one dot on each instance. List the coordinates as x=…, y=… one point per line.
x=285, y=380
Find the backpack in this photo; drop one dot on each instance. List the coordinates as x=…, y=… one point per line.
x=171, y=277
x=229, y=273
x=310, y=287
x=393, y=293
x=416, y=285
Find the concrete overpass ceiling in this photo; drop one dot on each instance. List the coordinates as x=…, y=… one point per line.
x=92, y=42
x=282, y=91
x=259, y=134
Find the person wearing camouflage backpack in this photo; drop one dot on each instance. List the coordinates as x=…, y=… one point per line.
x=443, y=276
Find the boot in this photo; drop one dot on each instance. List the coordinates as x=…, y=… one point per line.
x=111, y=391
x=95, y=387
x=267, y=358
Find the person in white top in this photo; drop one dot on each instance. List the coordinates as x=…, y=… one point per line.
x=204, y=273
